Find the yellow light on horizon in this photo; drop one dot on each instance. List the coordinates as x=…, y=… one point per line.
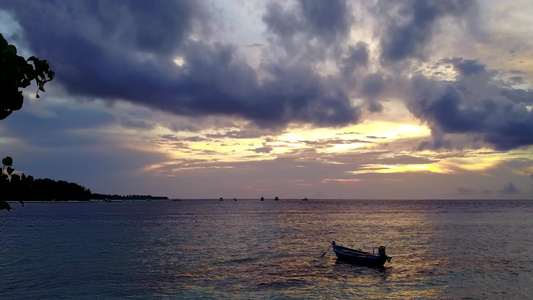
x=474, y=163
x=388, y=169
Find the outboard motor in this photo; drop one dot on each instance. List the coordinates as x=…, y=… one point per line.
x=381, y=251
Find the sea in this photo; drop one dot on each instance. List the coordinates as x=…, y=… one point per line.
x=252, y=249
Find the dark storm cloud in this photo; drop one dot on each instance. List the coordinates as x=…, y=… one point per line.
x=124, y=50
x=519, y=95
x=356, y=57
x=373, y=85
x=299, y=94
x=410, y=25
x=309, y=29
x=470, y=67
x=281, y=21
x=498, y=116
x=328, y=19
x=174, y=18
x=466, y=67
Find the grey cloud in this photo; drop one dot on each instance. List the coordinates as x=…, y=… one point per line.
x=466, y=67
x=435, y=144
x=174, y=18
x=468, y=191
x=463, y=190
x=519, y=95
x=329, y=19
x=265, y=149
x=281, y=21
x=356, y=57
x=517, y=79
x=136, y=27
x=509, y=189
x=174, y=138
x=373, y=85
x=333, y=142
x=470, y=67
x=410, y=25
x=135, y=123
x=31, y=127
x=240, y=134
x=310, y=28
x=460, y=108
x=404, y=160
x=95, y=55
x=170, y=137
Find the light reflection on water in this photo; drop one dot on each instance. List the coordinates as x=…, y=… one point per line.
x=270, y=249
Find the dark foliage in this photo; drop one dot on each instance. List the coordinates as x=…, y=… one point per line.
x=14, y=187
x=17, y=72
x=18, y=189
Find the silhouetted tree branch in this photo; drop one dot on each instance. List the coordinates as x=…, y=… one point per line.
x=17, y=72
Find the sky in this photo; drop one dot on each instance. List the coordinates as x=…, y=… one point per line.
x=319, y=99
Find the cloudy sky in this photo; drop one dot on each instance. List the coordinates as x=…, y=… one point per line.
x=318, y=99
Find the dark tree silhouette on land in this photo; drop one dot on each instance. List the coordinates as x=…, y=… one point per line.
x=14, y=187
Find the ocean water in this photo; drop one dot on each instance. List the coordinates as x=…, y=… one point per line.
x=251, y=249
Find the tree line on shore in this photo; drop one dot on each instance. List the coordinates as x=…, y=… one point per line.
x=15, y=187
x=24, y=188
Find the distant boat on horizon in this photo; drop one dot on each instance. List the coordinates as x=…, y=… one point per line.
x=276, y=199
x=262, y=198
x=221, y=199
x=305, y=199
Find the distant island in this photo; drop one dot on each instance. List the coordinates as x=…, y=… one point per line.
x=96, y=196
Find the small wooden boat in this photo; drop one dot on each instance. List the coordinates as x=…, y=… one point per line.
x=360, y=257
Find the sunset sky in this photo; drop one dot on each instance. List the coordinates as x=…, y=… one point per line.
x=317, y=99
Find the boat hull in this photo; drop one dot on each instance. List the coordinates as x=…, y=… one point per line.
x=359, y=257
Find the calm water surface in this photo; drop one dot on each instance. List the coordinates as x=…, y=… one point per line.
x=266, y=250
